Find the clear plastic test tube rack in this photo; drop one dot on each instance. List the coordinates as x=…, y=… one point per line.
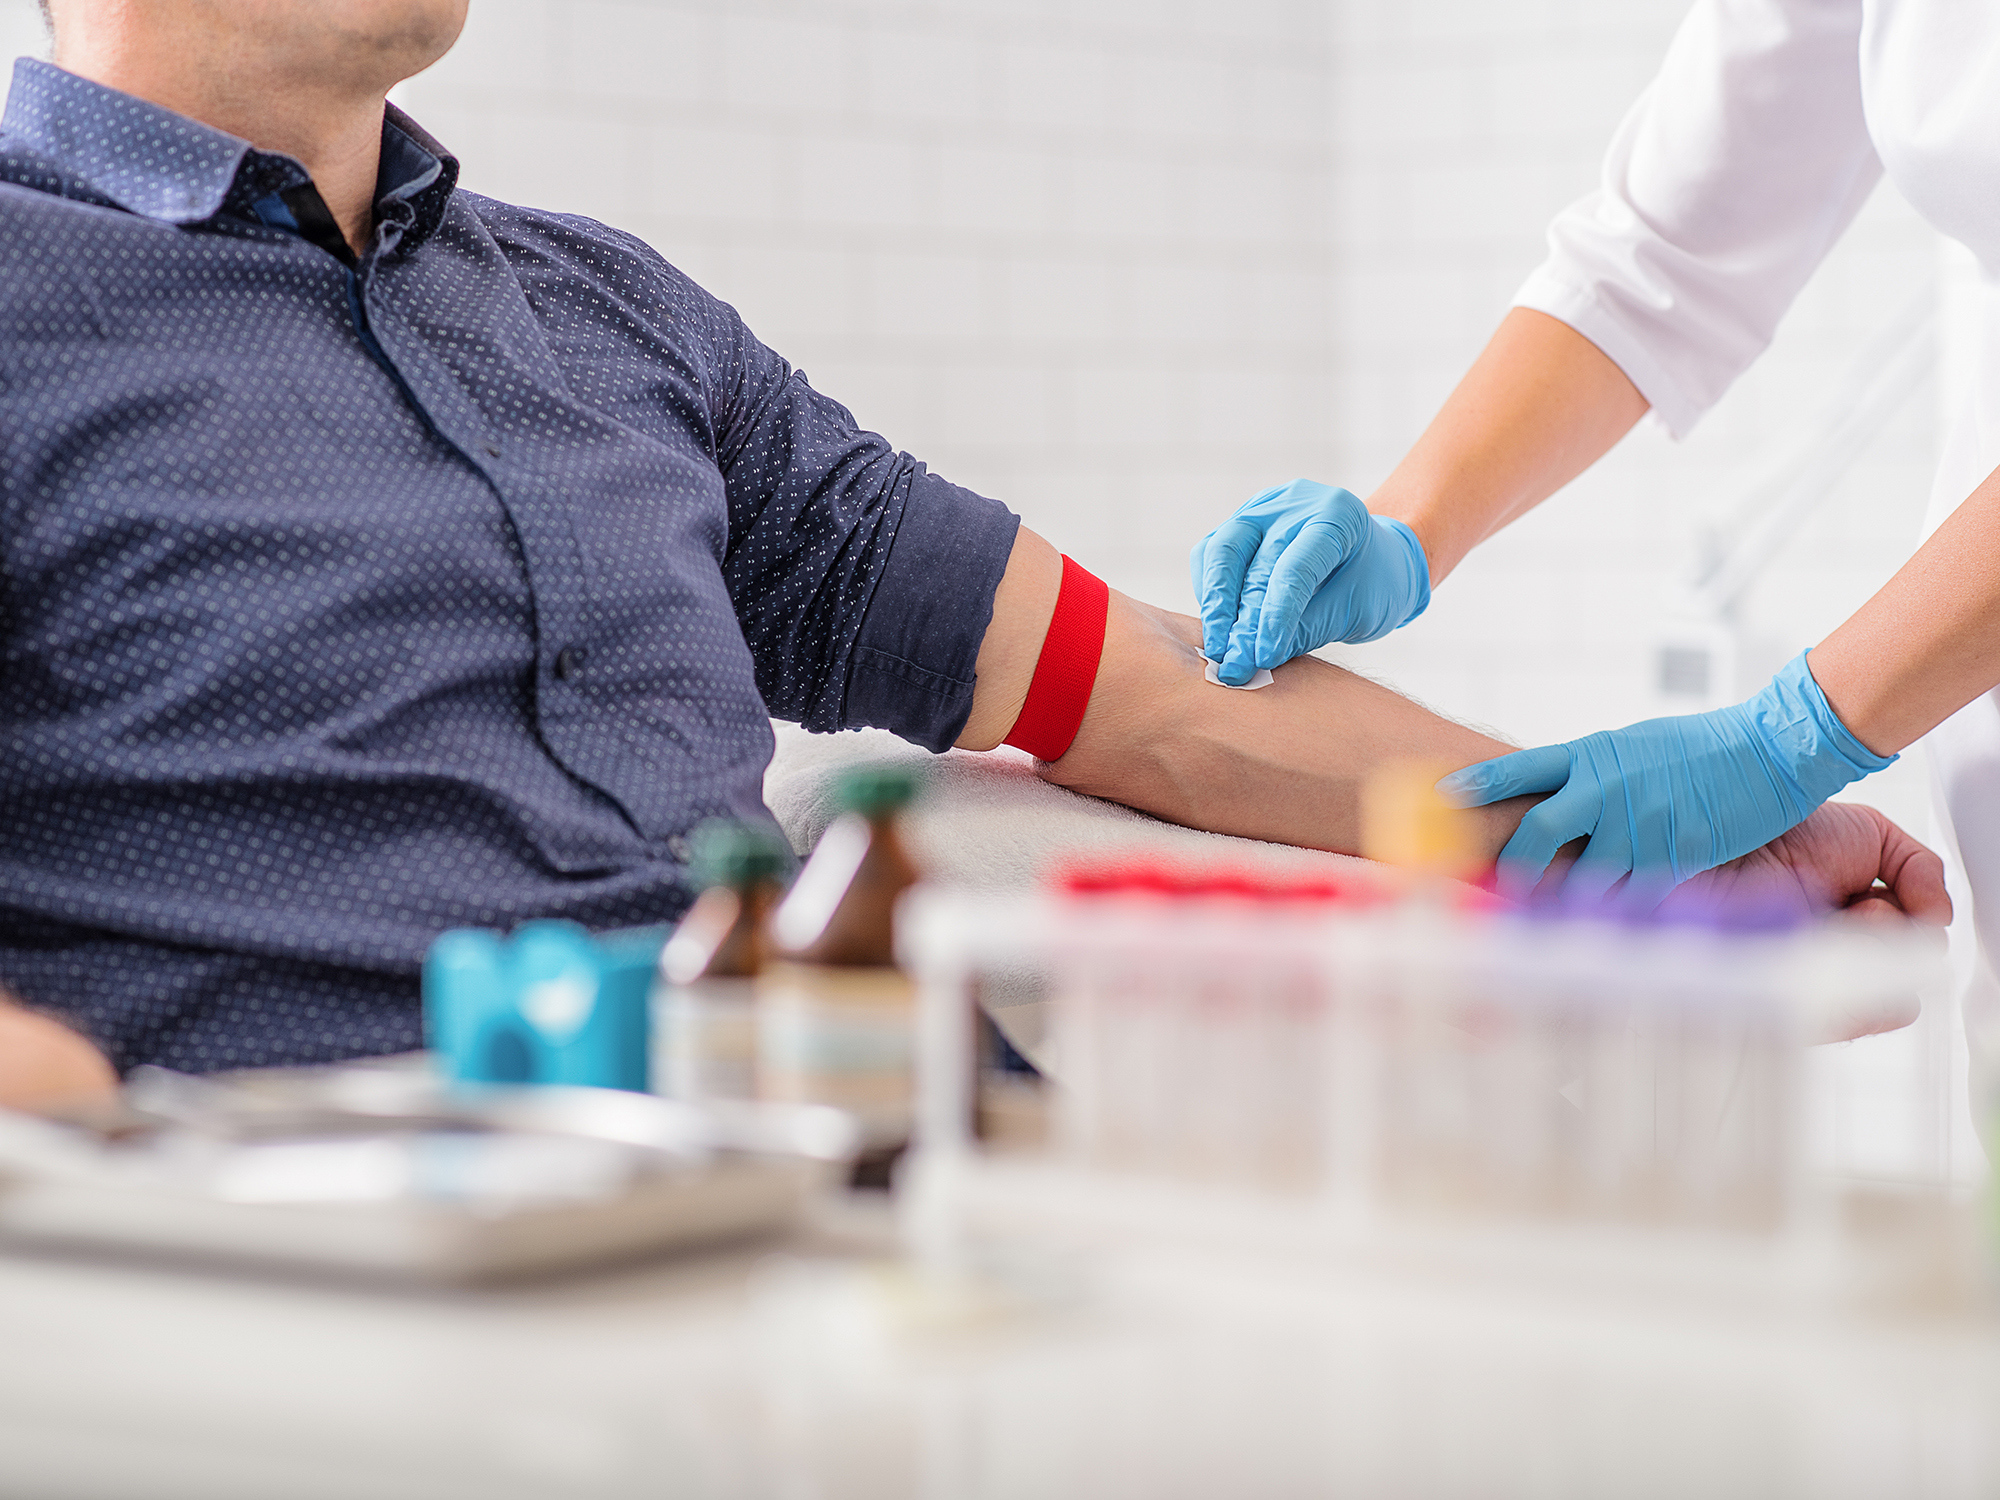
x=1296, y=1064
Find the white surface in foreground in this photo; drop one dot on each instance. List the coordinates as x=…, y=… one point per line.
x=838, y=1376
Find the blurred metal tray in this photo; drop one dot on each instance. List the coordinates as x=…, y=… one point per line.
x=384, y=1171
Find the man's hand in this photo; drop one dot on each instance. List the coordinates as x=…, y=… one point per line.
x=1833, y=861
x=43, y=1062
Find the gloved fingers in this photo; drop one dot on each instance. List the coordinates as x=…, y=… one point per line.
x=1312, y=561
x=1238, y=662
x=1265, y=523
x=1226, y=555
x=1542, y=769
x=1571, y=813
x=1265, y=496
x=1606, y=860
x=1649, y=886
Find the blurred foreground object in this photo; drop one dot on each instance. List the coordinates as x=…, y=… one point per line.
x=1420, y=1078
x=553, y=1005
x=1407, y=822
x=705, y=1015
x=381, y=1169
x=836, y=1017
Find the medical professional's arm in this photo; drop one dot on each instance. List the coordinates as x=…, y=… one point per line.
x=1288, y=762
x=44, y=1062
x=1539, y=406
x=1304, y=564
x=1928, y=643
x=1721, y=192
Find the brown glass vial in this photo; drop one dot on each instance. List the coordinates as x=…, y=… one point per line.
x=705, y=1041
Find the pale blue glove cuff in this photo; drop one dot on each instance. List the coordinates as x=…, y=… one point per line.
x=1419, y=565
x=1821, y=755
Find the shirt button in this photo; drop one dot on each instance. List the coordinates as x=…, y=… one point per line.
x=568, y=662
x=680, y=848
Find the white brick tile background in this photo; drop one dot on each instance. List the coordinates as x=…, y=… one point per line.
x=21, y=33
x=1122, y=263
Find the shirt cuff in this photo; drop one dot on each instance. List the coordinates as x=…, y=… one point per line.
x=1546, y=291
x=914, y=659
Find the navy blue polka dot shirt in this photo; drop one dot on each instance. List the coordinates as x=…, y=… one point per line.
x=347, y=600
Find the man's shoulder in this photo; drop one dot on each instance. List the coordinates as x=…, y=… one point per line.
x=586, y=280
x=26, y=175
x=576, y=243
x=45, y=215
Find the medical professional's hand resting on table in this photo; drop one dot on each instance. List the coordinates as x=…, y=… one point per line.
x=1669, y=797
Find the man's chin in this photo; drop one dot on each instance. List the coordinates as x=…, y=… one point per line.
x=375, y=43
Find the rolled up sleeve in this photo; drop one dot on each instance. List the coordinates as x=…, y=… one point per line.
x=913, y=662
x=863, y=582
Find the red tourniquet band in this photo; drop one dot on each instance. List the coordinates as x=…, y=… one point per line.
x=1067, y=668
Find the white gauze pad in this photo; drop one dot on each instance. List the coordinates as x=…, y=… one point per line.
x=1263, y=678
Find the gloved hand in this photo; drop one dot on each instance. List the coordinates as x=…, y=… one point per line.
x=1669, y=798
x=1299, y=566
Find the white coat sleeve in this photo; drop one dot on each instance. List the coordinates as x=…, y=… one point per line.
x=1723, y=189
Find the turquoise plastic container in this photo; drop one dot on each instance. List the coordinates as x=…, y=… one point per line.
x=553, y=1005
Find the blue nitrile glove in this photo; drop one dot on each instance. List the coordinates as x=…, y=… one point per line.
x=1299, y=566
x=1669, y=798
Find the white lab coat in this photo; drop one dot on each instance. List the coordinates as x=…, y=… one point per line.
x=1768, y=125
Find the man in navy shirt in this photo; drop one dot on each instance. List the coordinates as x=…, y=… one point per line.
x=379, y=558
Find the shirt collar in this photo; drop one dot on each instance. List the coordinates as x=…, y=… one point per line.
x=142, y=157
x=415, y=182
x=162, y=165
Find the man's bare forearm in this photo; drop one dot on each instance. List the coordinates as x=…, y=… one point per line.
x=1287, y=763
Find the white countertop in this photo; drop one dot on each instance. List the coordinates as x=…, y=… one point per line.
x=117, y=1379
x=805, y=1368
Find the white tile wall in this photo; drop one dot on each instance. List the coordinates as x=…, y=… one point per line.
x=21, y=33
